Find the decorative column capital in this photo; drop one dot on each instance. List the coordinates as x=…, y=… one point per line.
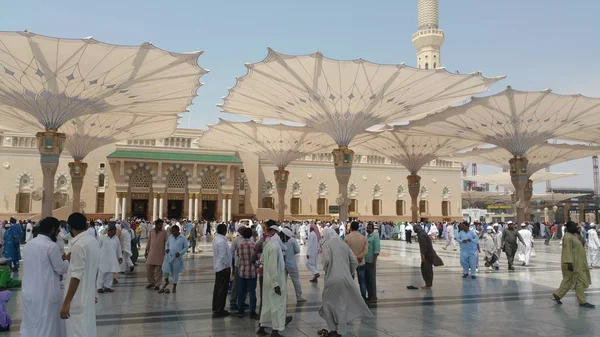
x=77, y=169
x=156, y=195
x=50, y=142
x=342, y=157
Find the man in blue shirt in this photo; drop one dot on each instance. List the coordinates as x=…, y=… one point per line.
x=468, y=240
x=371, y=264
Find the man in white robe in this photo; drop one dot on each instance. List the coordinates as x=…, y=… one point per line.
x=525, y=247
x=28, y=231
x=126, y=237
x=342, y=301
x=312, y=252
x=402, y=232
x=303, y=235
x=42, y=268
x=450, y=237
x=593, y=247
x=274, y=299
x=79, y=307
x=111, y=258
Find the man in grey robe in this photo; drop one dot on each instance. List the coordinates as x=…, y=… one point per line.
x=342, y=301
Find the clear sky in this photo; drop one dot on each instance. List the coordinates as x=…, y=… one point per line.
x=538, y=44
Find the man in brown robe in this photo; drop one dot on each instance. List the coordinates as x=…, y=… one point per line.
x=155, y=253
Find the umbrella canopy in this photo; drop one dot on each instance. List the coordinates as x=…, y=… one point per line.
x=540, y=156
x=280, y=144
x=87, y=133
x=514, y=120
x=504, y=179
x=415, y=151
x=47, y=81
x=344, y=98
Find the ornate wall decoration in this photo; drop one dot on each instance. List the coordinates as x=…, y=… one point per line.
x=400, y=192
x=141, y=166
x=377, y=191
x=322, y=189
x=24, y=181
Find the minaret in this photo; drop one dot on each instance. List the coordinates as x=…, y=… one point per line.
x=428, y=39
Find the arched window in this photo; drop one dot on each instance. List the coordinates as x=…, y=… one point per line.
x=210, y=180
x=101, y=180
x=426, y=65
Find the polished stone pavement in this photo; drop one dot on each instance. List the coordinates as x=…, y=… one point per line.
x=495, y=304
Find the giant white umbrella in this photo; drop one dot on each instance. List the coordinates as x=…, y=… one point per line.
x=515, y=121
x=46, y=82
x=344, y=98
x=539, y=157
x=88, y=133
x=414, y=152
x=279, y=143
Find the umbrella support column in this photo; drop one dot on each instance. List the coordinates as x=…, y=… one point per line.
x=77, y=170
x=519, y=178
x=50, y=145
x=281, y=180
x=414, y=187
x=528, y=193
x=342, y=159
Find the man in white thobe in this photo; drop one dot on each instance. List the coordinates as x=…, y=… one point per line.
x=303, y=235
x=274, y=299
x=79, y=307
x=42, y=268
x=593, y=247
x=126, y=237
x=525, y=247
x=111, y=258
x=28, y=231
x=450, y=237
x=312, y=252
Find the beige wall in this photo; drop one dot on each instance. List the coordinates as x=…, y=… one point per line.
x=15, y=161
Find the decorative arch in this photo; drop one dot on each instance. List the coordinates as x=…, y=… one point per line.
x=352, y=191
x=97, y=176
x=377, y=191
x=176, y=167
x=423, y=192
x=268, y=188
x=217, y=171
x=242, y=182
x=445, y=192
x=62, y=182
x=24, y=181
x=322, y=189
x=177, y=179
x=140, y=178
x=400, y=192
x=141, y=166
x=296, y=189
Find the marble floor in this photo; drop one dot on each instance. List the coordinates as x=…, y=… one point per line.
x=495, y=304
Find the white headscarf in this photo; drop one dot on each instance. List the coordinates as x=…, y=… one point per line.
x=328, y=234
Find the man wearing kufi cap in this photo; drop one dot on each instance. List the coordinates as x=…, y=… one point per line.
x=525, y=248
x=510, y=235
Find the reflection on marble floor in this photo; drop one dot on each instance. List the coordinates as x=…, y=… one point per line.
x=496, y=304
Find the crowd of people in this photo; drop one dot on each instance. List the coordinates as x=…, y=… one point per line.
x=253, y=261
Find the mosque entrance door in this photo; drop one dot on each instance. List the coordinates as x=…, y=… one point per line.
x=209, y=210
x=175, y=209
x=139, y=208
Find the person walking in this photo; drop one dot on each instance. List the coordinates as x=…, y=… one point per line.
x=43, y=267
x=359, y=246
x=574, y=266
x=111, y=258
x=450, y=237
x=222, y=265
x=593, y=247
x=429, y=257
x=155, y=253
x=341, y=303
x=468, y=240
x=526, y=246
x=509, y=243
x=172, y=266
x=312, y=253
x=373, y=248
x=81, y=293
x=247, y=273
x=409, y=230
x=291, y=268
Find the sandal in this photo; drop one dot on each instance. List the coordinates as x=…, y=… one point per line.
x=150, y=286
x=412, y=288
x=161, y=291
x=323, y=332
x=157, y=288
x=167, y=291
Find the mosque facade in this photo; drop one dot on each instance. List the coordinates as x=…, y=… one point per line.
x=177, y=177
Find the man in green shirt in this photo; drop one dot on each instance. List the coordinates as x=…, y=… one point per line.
x=371, y=264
